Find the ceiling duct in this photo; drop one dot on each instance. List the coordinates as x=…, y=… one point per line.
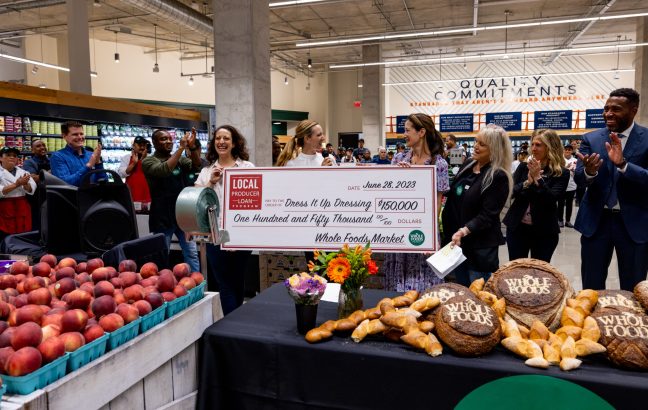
x=15, y=6
x=178, y=13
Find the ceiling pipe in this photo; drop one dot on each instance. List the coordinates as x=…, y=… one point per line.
x=17, y=6
x=576, y=35
x=178, y=13
x=475, y=14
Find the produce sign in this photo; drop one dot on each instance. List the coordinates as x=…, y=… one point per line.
x=392, y=208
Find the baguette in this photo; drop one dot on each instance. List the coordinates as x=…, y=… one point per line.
x=399, y=321
x=477, y=285
x=407, y=299
x=568, y=349
x=538, y=331
x=367, y=327
x=551, y=354
x=585, y=347
x=569, y=331
x=516, y=344
x=500, y=307
x=569, y=364
x=425, y=304
x=487, y=297
x=572, y=317
x=539, y=362
x=591, y=330
x=318, y=334
x=426, y=326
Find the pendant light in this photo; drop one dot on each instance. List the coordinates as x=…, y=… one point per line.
x=506, y=15
x=116, y=51
x=616, y=74
x=156, y=68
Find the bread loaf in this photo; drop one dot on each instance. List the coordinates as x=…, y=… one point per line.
x=467, y=325
x=443, y=292
x=641, y=293
x=612, y=299
x=533, y=290
x=624, y=333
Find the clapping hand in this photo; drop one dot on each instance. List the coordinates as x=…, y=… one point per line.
x=614, y=149
x=22, y=180
x=191, y=139
x=591, y=163
x=535, y=172
x=216, y=175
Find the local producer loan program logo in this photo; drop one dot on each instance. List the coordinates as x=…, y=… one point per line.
x=245, y=193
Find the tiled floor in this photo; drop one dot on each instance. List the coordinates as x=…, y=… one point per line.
x=567, y=259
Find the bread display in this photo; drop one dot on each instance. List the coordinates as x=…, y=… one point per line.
x=468, y=326
x=613, y=299
x=533, y=290
x=624, y=332
x=641, y=293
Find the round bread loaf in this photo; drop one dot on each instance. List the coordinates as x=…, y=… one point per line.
x=467, y=325
x=444, y=291
x=533, y=290
x=641, y=293
x=624, y=332
x=614, y=299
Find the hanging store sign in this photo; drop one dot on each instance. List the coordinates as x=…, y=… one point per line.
x=392, y=208
x=400, y=123
x=456, y=123
x=556, y=120
x=510, y=121
x=594, y=119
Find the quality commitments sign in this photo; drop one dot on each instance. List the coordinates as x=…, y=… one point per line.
x=393, y=208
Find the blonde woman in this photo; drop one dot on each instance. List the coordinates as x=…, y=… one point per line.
x=305, y=148
x=532, y=220
x=471, y=216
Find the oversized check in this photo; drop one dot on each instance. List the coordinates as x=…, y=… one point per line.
x=393, y=208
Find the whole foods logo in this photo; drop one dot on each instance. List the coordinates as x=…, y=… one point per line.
x=416, y=237
x=528, y=284
x=625, y=325
x=445, y=294
x=618, y=300
x=245, y=192
x=469, y=311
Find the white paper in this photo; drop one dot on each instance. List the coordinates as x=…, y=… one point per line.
x=446, y=260
x=331, y=293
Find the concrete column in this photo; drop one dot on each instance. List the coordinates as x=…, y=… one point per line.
x=78, y=46
x=641, y=70
x=242, y=72
x=373, y=116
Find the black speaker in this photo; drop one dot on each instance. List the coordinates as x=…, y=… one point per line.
x=59, y=215
x=106, y=214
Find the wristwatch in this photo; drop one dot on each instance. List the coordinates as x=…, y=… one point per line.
x=622, y=164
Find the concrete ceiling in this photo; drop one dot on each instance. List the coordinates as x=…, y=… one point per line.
x=335, y=19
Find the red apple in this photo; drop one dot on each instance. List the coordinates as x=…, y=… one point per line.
x=148, y=282
x=27, y=334
x=187, y=283
x=82, y=267
x=72, y=340
x=93, y=332
x=50, y=331
x=67, y=272
x=87, y=287
x=5, y=352
x=18, y=268
x=63, y=286
x=197, y=277
x=28, y=313
x=52, y=319
x=181, y=270
x=111, y=322
x=143, y=307
x=79, y=299
x=104, y=288
x=127, y=265
x=168, y=296
x=49, y=259
x=74, y=320
x=117, y=283
x=166, y=282
x=23, y=361
x=128, y=312
x=100, y=274
x=8, y=281
x=32, y=283
x=103, y=305
x=148, y=269
x=6, y=336
x=51, y=349
x=119, y=298
x=133, y=293
x=40, y=296
x=94, y=264
x=67, y=262
x=179, y=291
x=128, y=279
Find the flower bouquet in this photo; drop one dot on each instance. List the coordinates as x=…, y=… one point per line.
x=306, y=291
x=348, y=267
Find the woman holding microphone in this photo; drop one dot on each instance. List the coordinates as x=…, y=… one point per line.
x=471, y=216
x=227, y=149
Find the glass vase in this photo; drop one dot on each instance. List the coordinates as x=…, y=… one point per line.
x=349, y=301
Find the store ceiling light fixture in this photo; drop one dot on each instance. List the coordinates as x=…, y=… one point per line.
x=156, y=68
x=506, y=77
x=292, y=3
x=443, y=32
x=116, y=51
x=191, y=81
x=28, y=61
x=487, y=57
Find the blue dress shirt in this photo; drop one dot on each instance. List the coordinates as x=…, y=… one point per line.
x=68, y=165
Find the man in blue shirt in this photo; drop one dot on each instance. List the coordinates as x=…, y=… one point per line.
x=73, y=162
x=381, y=158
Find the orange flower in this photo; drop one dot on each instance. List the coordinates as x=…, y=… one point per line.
x=311, y=266
x=372, y=268
x=338, y=269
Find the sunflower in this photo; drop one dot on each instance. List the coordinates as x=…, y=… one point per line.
x=338, y=269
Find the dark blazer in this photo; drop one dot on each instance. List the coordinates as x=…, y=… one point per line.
x=632, y=186
x=478, y=211
x=543, y=200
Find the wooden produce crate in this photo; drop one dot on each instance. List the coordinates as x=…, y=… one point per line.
x=156, y=370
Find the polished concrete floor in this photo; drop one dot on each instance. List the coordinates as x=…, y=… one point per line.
x=567, y=259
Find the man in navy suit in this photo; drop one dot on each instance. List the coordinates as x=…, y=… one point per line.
x=613, y=214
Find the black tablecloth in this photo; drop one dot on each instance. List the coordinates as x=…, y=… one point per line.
x=255, y=359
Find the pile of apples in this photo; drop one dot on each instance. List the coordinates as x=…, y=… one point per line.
x=55, y=307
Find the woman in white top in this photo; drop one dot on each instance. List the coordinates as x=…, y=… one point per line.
x=15, y=183
x=305, y=148
x=227, y=149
